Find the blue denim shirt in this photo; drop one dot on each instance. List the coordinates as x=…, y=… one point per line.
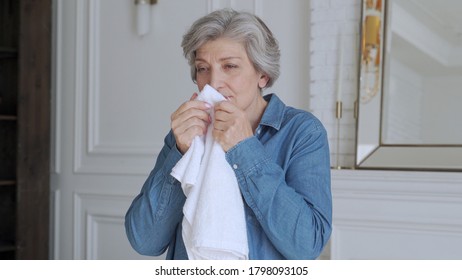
x=283, y=172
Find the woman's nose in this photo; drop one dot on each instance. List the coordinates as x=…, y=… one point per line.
x=216, y=79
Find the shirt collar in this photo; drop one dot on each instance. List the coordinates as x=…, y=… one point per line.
x=274, y=112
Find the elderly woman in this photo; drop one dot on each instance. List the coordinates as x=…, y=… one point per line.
x=282, y=153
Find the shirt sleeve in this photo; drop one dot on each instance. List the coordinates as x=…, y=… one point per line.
x=154, y=214
x=293, y=205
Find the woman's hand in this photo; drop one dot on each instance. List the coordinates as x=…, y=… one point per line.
x=188, y=121
x=231, y=125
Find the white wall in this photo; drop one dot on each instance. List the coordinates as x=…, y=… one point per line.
x=377, y=214
x=330, y=20
x=396, y=215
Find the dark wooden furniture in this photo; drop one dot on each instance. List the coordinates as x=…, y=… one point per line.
x=25, y=97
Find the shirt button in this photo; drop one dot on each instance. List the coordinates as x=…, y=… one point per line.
x=235, y=166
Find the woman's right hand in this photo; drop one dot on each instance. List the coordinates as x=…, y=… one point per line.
x=188, y=121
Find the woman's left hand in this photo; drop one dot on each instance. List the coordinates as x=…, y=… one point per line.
x=231, y=125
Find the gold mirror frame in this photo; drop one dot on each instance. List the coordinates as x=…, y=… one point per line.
x=371, y=152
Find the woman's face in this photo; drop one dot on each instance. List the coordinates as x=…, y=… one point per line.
x=224, y=65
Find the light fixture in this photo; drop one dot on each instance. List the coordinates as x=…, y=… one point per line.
x=143, y=16
x=371, y=49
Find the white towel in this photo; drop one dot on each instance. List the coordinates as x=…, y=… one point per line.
x=214, y=221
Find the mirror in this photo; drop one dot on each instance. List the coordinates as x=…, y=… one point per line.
x=410, y=93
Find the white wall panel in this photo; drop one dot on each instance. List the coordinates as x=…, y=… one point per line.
x=396, y=215
x=121, y=110
x=99, y=227
x=104, y=234
x=109, y=109
x=389, y=241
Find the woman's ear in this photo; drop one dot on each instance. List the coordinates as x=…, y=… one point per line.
x=263, y=81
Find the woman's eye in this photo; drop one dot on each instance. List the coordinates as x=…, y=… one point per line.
x=201, y=69
x=230, y=66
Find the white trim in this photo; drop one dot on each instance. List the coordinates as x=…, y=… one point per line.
x=77, y=226
x=55, y=224
x=89, y=207
x=452, y=179
x=122, y=150
x=92, y=232
x=79, y=132
x=258, y=8
x=93, y=71
x=57, y=88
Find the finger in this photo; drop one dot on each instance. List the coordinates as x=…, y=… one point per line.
x=194, y=96
x=186, y=131
x=221, y=127
x=185, y=139
x=193, y=129
x=197, y=104
x=225, y=106
x=194, y=104
x=194, y=122
x=222, y=117
x=193, y=113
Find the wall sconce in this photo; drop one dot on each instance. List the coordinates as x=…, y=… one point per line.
x=371, y=49
x=143, y=16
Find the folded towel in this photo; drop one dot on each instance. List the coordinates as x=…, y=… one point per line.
x=214, y=223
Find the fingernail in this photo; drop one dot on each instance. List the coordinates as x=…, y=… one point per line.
x=208, y=105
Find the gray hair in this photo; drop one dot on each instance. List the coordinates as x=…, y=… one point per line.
x=261, y=46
